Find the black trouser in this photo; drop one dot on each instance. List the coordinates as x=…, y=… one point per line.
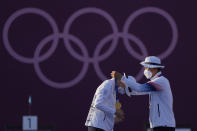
x=90, y=128
x=163, y=129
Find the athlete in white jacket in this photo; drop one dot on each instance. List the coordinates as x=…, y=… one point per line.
x=101, y=115
x=161, y=115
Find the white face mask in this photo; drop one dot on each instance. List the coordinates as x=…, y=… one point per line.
x=148, y=74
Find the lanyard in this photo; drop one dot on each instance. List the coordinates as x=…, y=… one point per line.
x=116, y=88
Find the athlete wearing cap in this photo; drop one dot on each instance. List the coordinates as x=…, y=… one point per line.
x=161, y=116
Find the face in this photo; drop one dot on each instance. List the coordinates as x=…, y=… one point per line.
x=154, y=71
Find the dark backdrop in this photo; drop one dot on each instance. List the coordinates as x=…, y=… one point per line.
x=67, y=108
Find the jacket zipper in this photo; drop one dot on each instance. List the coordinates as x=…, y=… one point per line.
x=104, y=117
x=158, y=110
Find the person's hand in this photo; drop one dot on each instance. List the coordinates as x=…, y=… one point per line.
x=119, y=116
x=116, y=75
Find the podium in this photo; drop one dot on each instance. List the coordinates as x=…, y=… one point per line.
x=29, y=122
x=20, y=128
x=186, y=127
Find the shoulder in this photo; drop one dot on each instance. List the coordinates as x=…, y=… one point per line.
x=161, y=81
x=106, y=84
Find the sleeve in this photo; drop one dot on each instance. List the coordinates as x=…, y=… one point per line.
x=139, y=93
x=102, y=96
x=138, y=88
x=130, y=92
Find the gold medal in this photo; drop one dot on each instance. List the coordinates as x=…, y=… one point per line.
x=118, y=105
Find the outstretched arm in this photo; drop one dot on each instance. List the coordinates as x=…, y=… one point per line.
x=137, y=87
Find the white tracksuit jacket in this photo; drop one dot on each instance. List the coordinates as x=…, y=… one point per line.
x=102, y=110
x=160, y=99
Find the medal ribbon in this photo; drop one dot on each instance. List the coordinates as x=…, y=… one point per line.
x=116, y=88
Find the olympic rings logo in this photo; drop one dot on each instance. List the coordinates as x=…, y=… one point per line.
x=85, y=58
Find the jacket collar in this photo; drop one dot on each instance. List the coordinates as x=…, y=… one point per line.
x=156, y=75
